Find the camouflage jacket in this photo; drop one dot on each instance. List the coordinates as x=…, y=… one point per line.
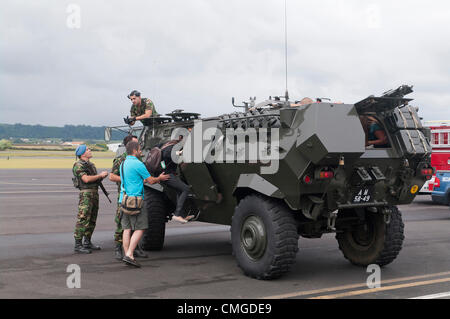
x=81, y=168
x=146, y=104
x=118, y=160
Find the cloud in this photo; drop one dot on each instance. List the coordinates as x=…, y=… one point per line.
x=197, y=54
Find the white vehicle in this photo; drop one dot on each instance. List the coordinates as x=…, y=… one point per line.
x=427, y=188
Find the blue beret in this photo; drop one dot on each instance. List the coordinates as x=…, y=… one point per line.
x=80, y=150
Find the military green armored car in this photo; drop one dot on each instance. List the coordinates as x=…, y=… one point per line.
x=280, y=170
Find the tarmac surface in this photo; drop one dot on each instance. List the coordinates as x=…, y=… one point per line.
x=37, y=216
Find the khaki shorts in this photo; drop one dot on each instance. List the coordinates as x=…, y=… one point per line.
x=135, y=222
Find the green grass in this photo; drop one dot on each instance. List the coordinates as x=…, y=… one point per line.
x=33, y=153
x=13, y=159
x=50, y=163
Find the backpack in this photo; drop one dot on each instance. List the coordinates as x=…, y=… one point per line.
x=131, y=205
x=153, y=160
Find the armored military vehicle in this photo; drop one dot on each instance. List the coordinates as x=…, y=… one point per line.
x=317, y=177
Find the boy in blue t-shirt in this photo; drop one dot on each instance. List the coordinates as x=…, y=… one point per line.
x=133, y=175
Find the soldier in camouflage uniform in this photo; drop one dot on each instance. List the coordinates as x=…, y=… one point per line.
x=142, y=108
x=115, y=177
x=119, y=231
x=86, y=179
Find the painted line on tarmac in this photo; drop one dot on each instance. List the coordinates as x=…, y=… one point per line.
x=416, y=209
x=435, y=296
x=37, y=192
x=41, y=192
x=352, y=286
x=31, y=184
x=375, y=290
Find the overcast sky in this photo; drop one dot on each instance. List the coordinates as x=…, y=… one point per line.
x=197, y=54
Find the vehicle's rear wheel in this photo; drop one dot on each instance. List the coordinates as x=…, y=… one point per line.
x=264, y=237
x=373, y=241
x=155, y=207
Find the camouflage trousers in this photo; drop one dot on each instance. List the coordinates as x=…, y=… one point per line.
x=117, y=219
x=87, y=215
x=119, y=231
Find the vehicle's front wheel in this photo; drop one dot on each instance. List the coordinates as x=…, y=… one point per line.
x=372, y=241
x=264, y=237
x=155, y=208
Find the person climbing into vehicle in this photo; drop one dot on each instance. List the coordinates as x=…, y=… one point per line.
x=174, y=182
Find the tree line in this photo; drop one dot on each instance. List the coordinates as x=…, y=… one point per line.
x=67, y=132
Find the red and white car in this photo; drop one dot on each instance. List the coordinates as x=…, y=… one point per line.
x=440, y=156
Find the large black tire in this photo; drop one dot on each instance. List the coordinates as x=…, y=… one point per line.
x=155, y=207
x=264, y=237
x=375, y=242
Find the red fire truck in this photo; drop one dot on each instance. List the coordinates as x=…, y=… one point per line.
x=440, y=156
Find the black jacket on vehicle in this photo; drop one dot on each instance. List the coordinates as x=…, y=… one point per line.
x=171, y=167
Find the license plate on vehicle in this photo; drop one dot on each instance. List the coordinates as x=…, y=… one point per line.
x=362, y=195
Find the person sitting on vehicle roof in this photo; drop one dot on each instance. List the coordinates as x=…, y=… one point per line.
x=142, y=108
x=303, y=101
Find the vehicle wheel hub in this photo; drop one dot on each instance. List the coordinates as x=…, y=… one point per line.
x=364, y=235
x=253, y=237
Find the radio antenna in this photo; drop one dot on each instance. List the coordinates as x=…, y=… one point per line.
x=286, y=49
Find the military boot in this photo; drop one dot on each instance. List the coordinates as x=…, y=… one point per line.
x=79, y=247
x=139, y=253
x=89, y=245
x=118, y=253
